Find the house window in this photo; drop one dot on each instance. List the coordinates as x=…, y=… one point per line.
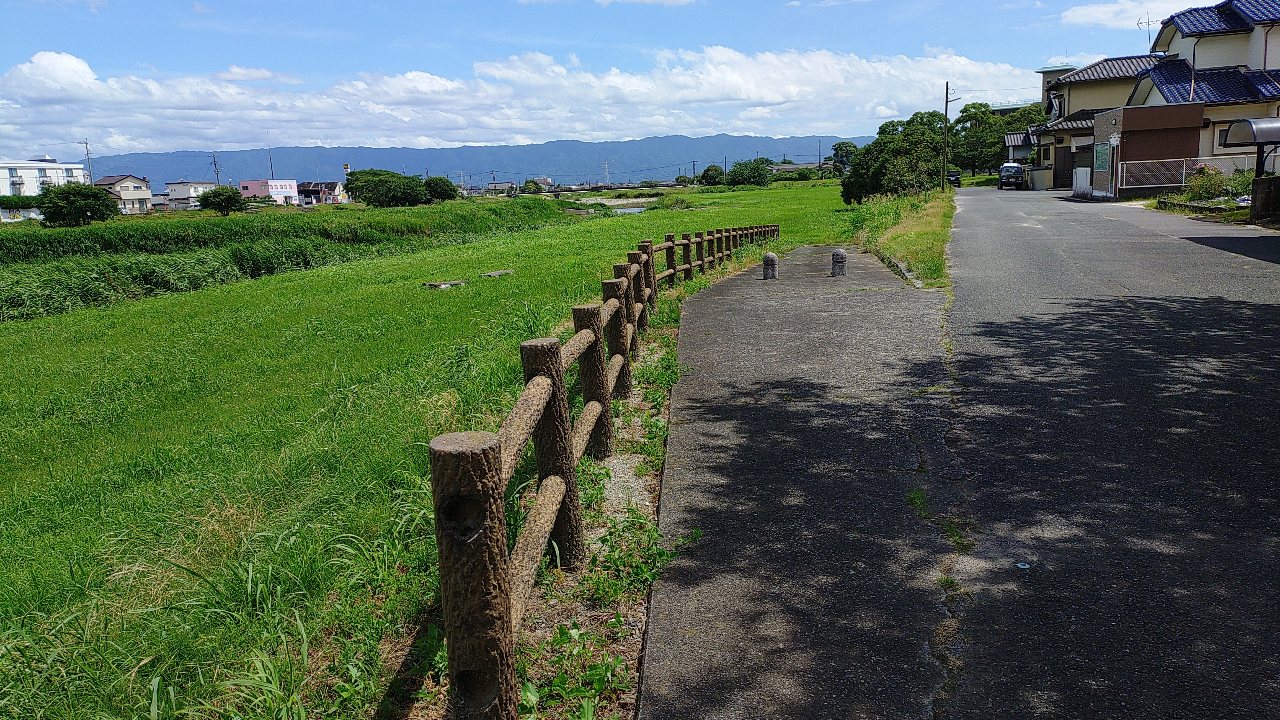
x=13, y=172
x=44, y=173
x=1222, y=137
x=68, y=172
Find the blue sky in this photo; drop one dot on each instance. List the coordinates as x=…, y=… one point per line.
x=210, y=74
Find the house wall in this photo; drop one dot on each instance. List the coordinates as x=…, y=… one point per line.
x=135, y=195
x=1213, y=51
x=27, y=177
x=1220, y=117
x=1146, y=133
x=1099, y=95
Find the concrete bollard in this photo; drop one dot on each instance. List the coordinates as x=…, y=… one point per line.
x=770, y=266
x=838, y=260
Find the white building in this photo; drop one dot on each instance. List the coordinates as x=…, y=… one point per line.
x=27, y=177
x=183, y=194
x=131, y=193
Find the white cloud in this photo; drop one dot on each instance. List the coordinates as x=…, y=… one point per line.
x=532, y=97
x=236, y=73
x=1123, y=14
x=647, y=2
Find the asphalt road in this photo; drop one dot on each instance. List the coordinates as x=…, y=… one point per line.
x=1116, y=416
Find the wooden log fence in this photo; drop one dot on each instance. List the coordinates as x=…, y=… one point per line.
x=484, y=590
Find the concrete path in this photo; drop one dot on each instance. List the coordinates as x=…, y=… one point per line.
x=804, y=417
x=1111, y=404
x=1119, y=392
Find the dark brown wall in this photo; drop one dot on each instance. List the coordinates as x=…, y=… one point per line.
x=1164, y=117
x=1162, y=144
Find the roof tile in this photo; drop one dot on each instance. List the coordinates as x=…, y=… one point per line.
x=1116, y=68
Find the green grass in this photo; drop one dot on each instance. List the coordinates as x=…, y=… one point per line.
x=979, y=180
x=910, y=231
x=217, y=499
x=166, y=254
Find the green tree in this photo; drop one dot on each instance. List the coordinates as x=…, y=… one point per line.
x=75, y=204
x=383, y=188
x=440, y=188
x=711, y=175
x=905, y=157
x=978, y=137
x=750, y=172
x=224, y=199
x=530, y=186
x=684, y=180
x=842, y=156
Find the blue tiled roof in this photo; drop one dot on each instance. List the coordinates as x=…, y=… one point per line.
x=1230, y=16
x=1209, y=20
x=1223, y=85
x=1258, y=11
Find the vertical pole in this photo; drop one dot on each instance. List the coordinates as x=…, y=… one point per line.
x=621, y=272
x=650, y=272
x=720, y=245
x=685, y=256
x=699, y=241
x=475, y=580
x=671, y=259
x=593, y=372
x=615, y=333
x=553, y=448
x=640, y=279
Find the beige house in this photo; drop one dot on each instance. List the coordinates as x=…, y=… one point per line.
x=132, y=194
x=1074, y=98
x=1224, y=56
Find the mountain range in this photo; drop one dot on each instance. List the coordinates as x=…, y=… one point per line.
x=565, y=161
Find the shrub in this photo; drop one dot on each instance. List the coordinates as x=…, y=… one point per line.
x=1207, y=183
x=75, y=204
x=223, y=199
x=440, y=188
x=18, y=202
x=1241, y=183
x=751, y=172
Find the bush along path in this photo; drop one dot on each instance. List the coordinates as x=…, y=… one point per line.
x=578, y=658
x=812, y=412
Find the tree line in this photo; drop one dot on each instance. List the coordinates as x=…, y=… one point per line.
x=906, y=156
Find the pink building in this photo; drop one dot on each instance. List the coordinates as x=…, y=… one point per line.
x=284, y=192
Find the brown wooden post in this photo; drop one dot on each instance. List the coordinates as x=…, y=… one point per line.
x=720, y=237
x=475, y=580
x=650, y=272
x=671, y=259
x=700, y=243
x=621, y=271
x=686, y=256
x=593, y=368
x=553, y=448
x=615, y=333
x=641, y=295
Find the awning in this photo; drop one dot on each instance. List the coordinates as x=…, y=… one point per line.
x=1253, y=132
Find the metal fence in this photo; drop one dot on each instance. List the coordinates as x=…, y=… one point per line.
x=1174, y=173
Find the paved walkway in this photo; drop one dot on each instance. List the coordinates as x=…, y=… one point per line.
x=803, y=419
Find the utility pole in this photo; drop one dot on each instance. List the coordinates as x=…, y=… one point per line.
x=88, y=158
x=946, y=131
x=1147, y=24
x=217, y=169
x=271, y=163
x=695, y=172
x=606, y=172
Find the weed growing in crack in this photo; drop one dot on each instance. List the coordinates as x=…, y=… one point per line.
x=948, y=583
x=920, y=503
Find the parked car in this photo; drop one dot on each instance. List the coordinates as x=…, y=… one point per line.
x=1012, y=175
x=953, y=177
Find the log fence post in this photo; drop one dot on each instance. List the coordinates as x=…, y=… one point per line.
x=650, y=273
x=593, y=371
x=721, y=236
x=615, y=333
x=553, y=448
x=700, y=243
x=686, y=256
x=636, y=258
x=671, y=258
x=475, y=577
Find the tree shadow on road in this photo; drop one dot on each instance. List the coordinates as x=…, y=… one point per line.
x=1265, y=246
x=1124, y=451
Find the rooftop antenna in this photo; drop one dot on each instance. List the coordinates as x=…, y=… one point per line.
x=1147, y=24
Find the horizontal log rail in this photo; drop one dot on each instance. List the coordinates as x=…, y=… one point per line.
x=484, y=589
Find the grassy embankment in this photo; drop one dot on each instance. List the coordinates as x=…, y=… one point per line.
x=50, y=271
x=214, y=502
x=910, y=233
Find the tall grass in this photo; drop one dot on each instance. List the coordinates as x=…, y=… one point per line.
x=235, y=248
x=214, y=504
x=908, y=231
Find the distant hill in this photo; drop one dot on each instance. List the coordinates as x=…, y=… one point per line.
x=565, y=161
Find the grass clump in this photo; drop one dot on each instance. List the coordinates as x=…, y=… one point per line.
x=629, y=560
x=909, y=231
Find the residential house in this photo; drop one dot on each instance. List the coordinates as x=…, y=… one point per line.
x=283, y=192
x=160, y=202
x=184, y=194
x=1220, y=56
x=28, y=177
x=501, y=187
x=131, y=193
x=1074, y=98
x=321, y=193
x=1020, y=144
